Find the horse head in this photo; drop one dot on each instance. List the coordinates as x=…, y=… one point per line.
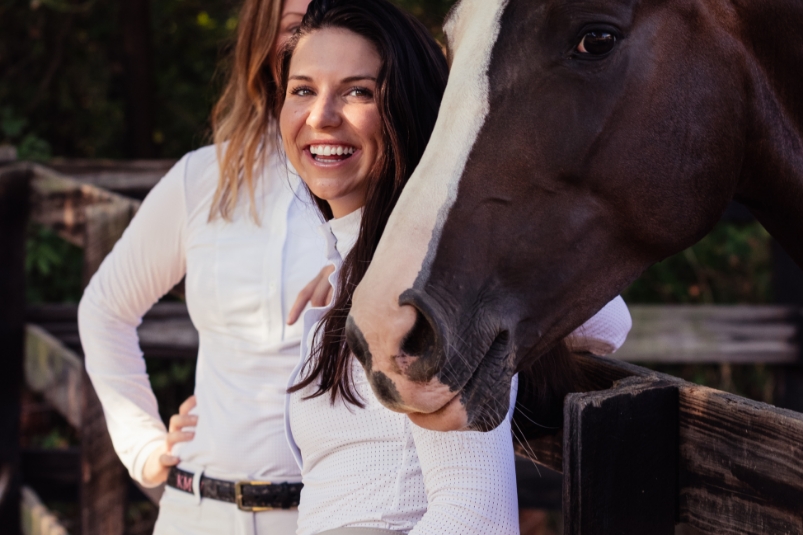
x=578, y=143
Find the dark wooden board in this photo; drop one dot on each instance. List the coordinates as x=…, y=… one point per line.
x=166, y=330
x=741, y=469
x=740, y=462
x=53, y=474
x=104, y=479
x=14, y=194
x=620, y=458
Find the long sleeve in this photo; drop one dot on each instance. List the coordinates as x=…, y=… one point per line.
x=147, y=261
x=605, y=332
x=470, y=480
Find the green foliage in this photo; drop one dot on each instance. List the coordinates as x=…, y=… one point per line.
x=52, y=268
x=14, y=131
x=62, y=72
x=730, y=265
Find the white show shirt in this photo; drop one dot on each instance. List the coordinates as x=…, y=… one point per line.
x=241, y=278
x=373, y=468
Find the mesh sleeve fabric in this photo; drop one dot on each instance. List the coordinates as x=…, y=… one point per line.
x=605, y=332
x=470, y=479
x=147, y=261
x=470, y=482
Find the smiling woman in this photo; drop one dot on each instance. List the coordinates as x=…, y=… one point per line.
x=361, y=86
x=330, y=120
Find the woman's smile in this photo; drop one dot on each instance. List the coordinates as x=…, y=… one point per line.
x=330, y=122
x=331, y=154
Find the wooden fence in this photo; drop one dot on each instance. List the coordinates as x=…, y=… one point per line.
x=640, y=453
x=93, y=219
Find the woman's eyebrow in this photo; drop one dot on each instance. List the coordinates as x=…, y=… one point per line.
x=301, y=77
x=359, y=78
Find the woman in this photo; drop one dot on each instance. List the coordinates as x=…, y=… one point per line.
x=227, y=218
x=361, y=85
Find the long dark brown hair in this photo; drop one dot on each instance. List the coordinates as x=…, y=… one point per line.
x=409, y=90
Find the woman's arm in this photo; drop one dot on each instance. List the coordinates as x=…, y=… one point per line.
x=470, y=479
x=605, y=332
x=147, y=261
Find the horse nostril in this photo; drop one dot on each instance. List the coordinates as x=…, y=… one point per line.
x=420, y=351
x=357, y=344
x=420, y=341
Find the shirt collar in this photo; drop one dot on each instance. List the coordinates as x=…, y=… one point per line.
x=346, y=229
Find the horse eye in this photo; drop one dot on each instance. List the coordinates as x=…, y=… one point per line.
x=596, y=43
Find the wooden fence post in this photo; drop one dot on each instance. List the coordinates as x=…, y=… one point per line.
x=14, y=195
x=104, y=479
x=620, y=459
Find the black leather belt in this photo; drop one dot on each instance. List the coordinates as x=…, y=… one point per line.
x=251, y=496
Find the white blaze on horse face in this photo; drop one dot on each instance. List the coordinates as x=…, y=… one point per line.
x=413, y=230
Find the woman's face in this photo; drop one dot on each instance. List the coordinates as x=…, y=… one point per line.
x=330, y=123
x=292, y=13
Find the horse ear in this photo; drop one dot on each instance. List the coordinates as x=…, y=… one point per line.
x=542, y=387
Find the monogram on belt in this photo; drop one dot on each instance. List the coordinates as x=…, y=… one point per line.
x=253, y=496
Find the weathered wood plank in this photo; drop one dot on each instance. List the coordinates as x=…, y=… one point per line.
x=105, y=223
x=14, y=194
x=741, y=469
x=740, y=461
x=743, y=334
x=620, y=458
x=55, y=372
x=59, y=202
x=597, y=373
x=132, y=178
x=177, y=337
x=8, y=154
x=166, y=330
x=36, y=518
x=104, y=479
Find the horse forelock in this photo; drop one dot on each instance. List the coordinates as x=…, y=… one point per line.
x=417, y=221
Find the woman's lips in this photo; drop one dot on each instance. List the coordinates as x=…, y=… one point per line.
x=330, y=161
x=330, y=155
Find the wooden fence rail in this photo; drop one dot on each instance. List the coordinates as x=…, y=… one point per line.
x=739, y=466
x=93, y=219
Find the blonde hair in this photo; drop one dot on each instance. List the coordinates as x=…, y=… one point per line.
x=244, y=115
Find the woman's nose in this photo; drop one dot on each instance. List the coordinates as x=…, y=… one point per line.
x=325, y=113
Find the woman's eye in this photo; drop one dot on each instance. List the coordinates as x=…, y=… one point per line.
x=596, y=43
x=301, y=91
x=360, y=92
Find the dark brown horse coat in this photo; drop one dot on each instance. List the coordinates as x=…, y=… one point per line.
x=578, y=143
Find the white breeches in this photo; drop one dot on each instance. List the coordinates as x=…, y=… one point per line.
x=181, y=513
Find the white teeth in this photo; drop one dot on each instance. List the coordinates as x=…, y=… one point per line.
x=331, y=150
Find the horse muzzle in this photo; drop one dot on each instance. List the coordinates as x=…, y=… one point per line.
x=411, y=366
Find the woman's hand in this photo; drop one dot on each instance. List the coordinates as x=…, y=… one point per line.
x=317, y=293
x=161, y=460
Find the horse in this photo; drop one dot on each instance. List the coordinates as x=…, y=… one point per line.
x=578, y=143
